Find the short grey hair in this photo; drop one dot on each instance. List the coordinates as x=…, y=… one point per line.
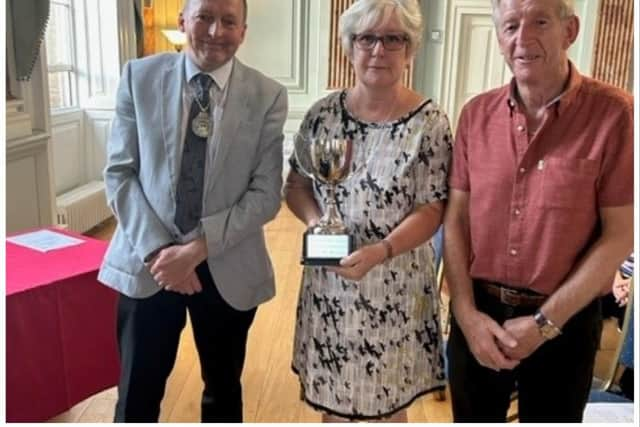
x=566, y=9
x=186, y=4
x=366, y=14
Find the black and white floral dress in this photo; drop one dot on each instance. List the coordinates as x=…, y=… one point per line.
x=367, y=349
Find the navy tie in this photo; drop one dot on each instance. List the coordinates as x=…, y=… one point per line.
x=191, y=181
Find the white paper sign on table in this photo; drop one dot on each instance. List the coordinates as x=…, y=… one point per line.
x=44, y=240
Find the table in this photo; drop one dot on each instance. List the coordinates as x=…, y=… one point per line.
x=61, y=336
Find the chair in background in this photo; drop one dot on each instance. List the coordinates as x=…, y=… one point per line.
x=437, y=242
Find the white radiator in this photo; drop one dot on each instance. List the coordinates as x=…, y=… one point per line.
x=83, y=207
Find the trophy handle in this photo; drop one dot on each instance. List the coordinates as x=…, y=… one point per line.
x=355, y=167
x=300, y=164
x=301, y=168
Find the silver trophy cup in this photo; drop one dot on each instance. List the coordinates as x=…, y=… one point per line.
x=328, y=161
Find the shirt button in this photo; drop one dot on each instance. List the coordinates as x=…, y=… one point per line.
x=522, y=170
x=520, y=128
x=513, y=252
x=517, y=212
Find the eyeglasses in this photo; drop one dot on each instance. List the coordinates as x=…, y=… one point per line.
x=389, y=41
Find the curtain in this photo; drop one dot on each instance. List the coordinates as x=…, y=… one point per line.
x=29, y=21
x=138, y=12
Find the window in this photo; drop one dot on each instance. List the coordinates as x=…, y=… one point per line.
x=61, y=62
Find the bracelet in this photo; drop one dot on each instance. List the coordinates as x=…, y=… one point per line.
x=624, y=275
x=389, y=249
x=547, y=328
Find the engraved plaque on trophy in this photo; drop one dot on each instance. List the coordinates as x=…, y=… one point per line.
x=328, y=161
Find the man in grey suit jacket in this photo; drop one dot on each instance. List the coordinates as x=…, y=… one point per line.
x=193, y=173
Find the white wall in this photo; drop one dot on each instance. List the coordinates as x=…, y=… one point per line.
x=286, y=39
x=69, y=159
x=79, y=140
x=29, y=177
x=466, y=60
x=105, y=40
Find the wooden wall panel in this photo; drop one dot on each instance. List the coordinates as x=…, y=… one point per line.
x=614, y=42
x=149, y=32
x=340, y=72
x=163, y=15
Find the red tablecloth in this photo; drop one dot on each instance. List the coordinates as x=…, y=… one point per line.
x=61, y=342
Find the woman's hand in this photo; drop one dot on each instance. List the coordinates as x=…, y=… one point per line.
x=356, y=265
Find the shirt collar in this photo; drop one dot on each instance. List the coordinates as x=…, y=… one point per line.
x=220, y=75
x=561, y=101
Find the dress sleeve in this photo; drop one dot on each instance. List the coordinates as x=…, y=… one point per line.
x=434, y=156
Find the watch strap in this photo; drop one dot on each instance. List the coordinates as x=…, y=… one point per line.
x=547, y=328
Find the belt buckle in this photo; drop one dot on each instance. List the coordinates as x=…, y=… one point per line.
x=509, y=296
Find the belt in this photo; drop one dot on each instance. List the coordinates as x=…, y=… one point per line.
x=511, y=296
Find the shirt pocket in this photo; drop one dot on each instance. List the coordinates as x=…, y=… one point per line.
x=569, y=183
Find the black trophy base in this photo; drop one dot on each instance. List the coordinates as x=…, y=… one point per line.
x=325, y=249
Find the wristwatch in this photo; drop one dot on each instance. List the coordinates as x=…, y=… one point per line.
x=547, y=328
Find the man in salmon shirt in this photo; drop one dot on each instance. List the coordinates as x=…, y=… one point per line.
x=537, y=223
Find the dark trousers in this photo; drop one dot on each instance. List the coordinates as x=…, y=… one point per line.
x=610, y=308
x=148, y=335
x=553, y=383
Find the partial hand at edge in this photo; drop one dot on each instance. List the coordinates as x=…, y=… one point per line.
x=620, y=290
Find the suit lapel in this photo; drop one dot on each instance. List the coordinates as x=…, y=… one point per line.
x=171, y=107
x=235, y=109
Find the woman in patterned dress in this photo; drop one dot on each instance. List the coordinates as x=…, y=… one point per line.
x=368, y=340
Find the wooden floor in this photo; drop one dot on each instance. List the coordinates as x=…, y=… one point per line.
x=271, y=391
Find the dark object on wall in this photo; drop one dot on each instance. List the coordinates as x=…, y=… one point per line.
x=29, y=21
x=138, y=14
